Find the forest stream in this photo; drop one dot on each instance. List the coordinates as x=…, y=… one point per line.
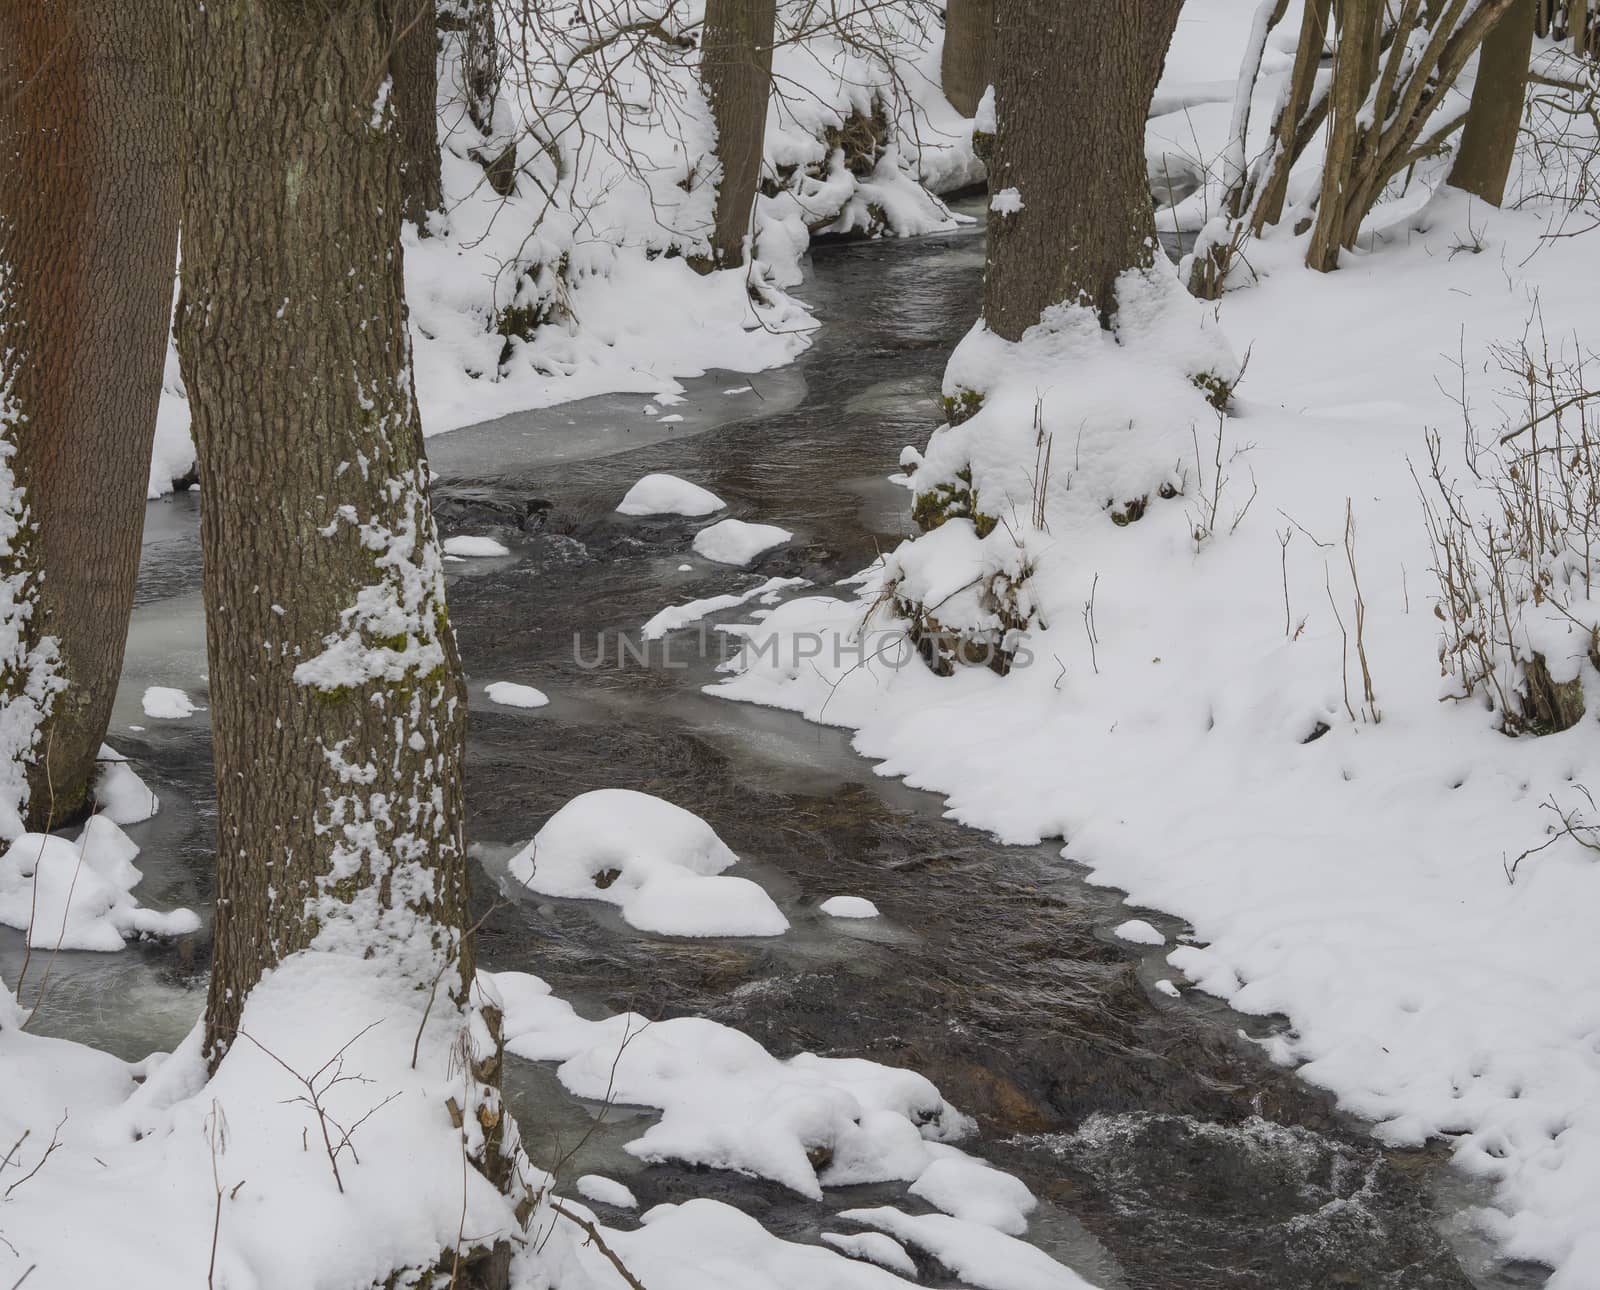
x=1167, y=1152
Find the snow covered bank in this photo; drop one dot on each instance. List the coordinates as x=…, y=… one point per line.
x=229, y=1182
x=577, y=281
x=808, y=1123
x=1186, y=703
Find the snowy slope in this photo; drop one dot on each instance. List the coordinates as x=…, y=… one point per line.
x=1188, y=712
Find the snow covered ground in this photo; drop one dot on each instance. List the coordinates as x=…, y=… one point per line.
x=1187, y=713
x=1187, y=709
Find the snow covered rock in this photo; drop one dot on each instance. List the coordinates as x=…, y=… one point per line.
x=738, y=542
x=669, y=495
x=660, y=864
x=508, y=694
x=79, y=894
x=848, y=907
x=473, y=547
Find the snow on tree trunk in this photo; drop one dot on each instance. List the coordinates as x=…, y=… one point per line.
x=338, y=708
x=736, y=66
x=88, y=239
x=1073, y=85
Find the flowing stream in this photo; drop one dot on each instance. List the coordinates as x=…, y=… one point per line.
x=1167, y=1152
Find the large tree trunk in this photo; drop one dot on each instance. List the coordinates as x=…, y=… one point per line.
x=964, y=64
x=335, y=685
x=1073, y=85
x=414, y=64
x=1483, y=159
x=736, y=66
x=89, y=130
x=338, y=709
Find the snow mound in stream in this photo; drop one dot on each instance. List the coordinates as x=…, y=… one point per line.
x=472, y=546
x=657, y=862
x=727, y=1103
x=738, y=542
x=79, y=894
x=669, y=495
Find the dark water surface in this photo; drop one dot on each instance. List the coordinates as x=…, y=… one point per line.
x=1166, y=1151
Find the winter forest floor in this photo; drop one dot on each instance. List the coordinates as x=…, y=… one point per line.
x=1226, y=959
x=1165, y=1150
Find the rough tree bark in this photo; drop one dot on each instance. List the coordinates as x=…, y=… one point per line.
x=1073, y=85
x=1489, y=141
x=338, y=711
x=414, y=64
x=968, y=41
x=736, y=66
x=329, y=645
x=89, y=128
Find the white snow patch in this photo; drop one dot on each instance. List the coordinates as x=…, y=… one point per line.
x=972, y=1190
x=120, y=795
x=606, y=1191
x=675, y=616
x=660, y=494
x=508, y=694
x=738, y=542
x=470, y=546
x=1138, y=932
x=164, y=703
x=874, y=1247
x=727, y=1103
x=979, y=1255
x=849, y=907
x=78, y=895
x=1008, y=201
x=658, y=863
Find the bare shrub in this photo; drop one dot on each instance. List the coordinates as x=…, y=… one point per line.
x=1516, y=539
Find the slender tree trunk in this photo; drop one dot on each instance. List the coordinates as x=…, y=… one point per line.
x=89, y=130
x=968, y=41
x=1073, y=85
x=1354, y=64
x=414, y=64
x=473, y=22
x=1307, y=58
x=1489, y=141
x=736, y=65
